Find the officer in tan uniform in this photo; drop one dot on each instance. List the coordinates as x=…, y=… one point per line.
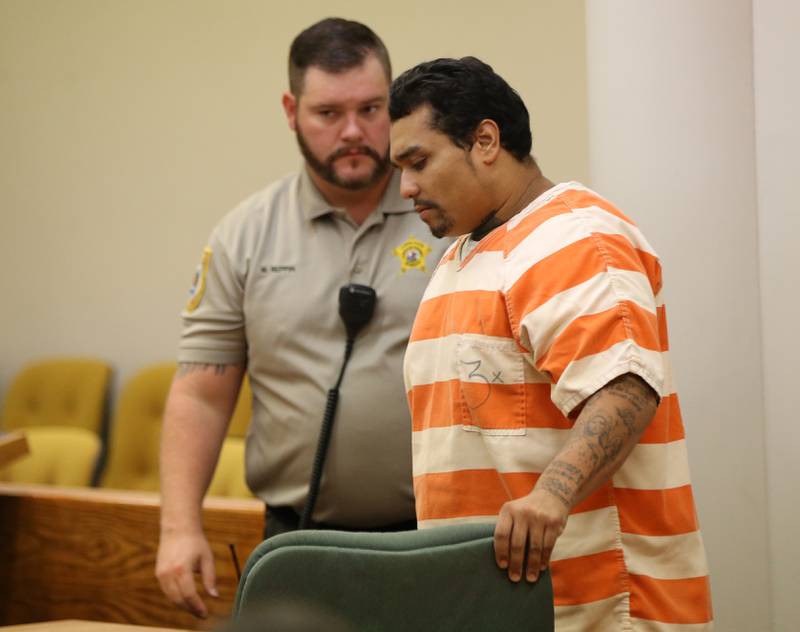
x=265, y=302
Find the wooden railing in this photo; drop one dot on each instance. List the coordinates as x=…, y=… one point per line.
x=77, y=553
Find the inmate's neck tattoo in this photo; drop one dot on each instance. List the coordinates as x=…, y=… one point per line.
x=486, y=226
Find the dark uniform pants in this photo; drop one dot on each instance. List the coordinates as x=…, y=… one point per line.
x=285, y=519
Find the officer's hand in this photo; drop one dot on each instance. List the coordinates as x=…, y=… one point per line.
x=531, y=525
x=180, y=555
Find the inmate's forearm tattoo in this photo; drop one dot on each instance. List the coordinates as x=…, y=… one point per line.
x=558, y=488
x=610, y=422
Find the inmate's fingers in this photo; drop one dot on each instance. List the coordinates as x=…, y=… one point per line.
x=502, y=531
x=519, y=541
x=535, y=553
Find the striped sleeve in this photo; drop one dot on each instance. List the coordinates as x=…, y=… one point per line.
x=580, y=290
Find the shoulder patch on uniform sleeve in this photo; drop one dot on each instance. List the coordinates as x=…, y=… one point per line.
x=412, y=253
x=199, y=281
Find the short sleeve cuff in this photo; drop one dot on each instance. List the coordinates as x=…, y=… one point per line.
x=585, y=377
x=212, y=356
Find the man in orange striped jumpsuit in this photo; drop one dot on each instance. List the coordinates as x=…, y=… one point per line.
x=538, y=373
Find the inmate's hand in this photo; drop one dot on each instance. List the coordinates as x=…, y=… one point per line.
x=180, y=556
x=531, y=525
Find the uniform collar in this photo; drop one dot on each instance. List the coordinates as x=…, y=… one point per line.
x=314, y=205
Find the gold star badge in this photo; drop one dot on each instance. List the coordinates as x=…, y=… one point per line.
x=412, y=253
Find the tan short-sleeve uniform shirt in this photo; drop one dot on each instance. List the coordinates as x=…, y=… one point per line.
x=266, y=294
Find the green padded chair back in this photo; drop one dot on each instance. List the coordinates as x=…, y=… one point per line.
x=438, y=579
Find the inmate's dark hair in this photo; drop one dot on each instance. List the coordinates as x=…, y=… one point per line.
x=461, y=93
x=334, y=45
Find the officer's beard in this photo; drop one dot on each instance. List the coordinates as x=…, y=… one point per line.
x=326, y=168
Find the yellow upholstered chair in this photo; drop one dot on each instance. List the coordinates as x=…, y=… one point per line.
x=133, y=455
x=229, y=478
x=60, y=405
x=132, y=461
x=58, y=392
x=240, y=421
x=57, y=456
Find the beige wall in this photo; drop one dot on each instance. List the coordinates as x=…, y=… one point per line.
x=127, y=128
x=776, y=51
x=693, y=128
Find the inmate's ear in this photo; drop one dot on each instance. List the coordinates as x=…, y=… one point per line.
x=487, y=141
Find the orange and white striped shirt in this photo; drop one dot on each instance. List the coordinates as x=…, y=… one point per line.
x=508, y=340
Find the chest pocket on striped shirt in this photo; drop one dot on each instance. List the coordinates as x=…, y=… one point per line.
x=491, y=379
